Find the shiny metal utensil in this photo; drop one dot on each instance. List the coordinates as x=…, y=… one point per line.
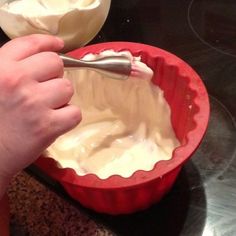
x=115, y=67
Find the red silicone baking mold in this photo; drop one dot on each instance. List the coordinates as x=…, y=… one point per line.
x=189, y=103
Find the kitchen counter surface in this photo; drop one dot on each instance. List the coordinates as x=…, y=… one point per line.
x=36, y=210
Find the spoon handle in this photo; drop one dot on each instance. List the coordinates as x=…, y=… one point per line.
x=116, y=67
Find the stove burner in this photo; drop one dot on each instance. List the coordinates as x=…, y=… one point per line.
x=218, y=150
x=214, y=23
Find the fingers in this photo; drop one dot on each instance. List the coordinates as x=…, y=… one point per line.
x=65, y=119
x=26, y=46
x=55, y=93
x=43, y=66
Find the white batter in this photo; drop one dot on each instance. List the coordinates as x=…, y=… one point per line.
x=46, y=14
x=126, y=125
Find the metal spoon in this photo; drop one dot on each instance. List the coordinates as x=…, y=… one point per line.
x=115, y=67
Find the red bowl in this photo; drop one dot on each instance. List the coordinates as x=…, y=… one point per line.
x=189, y=103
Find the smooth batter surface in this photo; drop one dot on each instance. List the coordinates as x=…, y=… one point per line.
x=125, y=127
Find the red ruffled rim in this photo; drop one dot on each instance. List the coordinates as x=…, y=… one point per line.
x=180, y=154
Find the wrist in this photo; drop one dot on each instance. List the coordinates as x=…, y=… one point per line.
x=4, y=183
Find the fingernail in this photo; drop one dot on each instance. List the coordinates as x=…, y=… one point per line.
x=60, y=41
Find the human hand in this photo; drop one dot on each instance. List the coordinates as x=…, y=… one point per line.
x=34, y=98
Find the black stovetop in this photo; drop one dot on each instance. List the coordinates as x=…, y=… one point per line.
x=203, y=33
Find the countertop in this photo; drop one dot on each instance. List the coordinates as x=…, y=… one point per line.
x=37, y=210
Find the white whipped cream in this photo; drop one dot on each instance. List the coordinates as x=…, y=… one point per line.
x=46, y=14
x=75, y=21
x=126, y=125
